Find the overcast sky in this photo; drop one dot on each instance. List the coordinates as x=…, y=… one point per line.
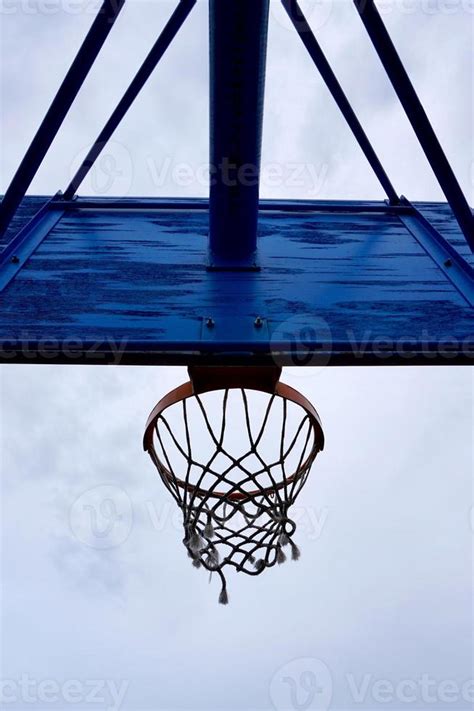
x=101, y=607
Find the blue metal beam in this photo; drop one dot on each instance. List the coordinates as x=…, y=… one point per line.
x=202, y=204
x=76, y=350
x=157, y=51
x=317, y=55
x=238, y=43
x=417, y=116
x=29, y=238
x=452, y=264
x=60, y=106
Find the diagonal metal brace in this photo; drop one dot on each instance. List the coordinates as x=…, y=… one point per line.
x=157, y=51
x=60, y=106
x=317, y=55
x=417, y=116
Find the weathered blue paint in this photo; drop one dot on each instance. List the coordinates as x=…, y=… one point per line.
x=440, y=217
x=22, y=246
x=352, y=286
x=457, y=269
x=29, y=208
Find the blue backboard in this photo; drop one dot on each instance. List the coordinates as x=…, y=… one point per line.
x=128, y=281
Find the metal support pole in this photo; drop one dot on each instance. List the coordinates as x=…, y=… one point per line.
x=238, y=44
x=417, y=116
x=157, y=51
x=317, y=55
x=60, y=105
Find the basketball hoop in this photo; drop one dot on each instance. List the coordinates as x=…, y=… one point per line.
x=235, y=495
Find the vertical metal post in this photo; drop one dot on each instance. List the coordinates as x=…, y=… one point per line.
x=60, y=105
x=416, y=114
x=238, y=44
